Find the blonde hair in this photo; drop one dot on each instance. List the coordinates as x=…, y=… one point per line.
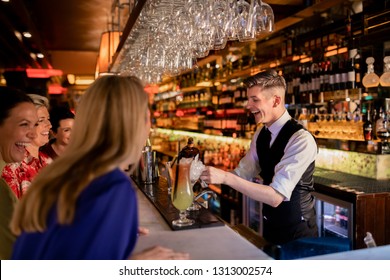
x=109, y=130
x=39, y=100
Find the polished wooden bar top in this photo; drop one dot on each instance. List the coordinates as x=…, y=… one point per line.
x=206, y=243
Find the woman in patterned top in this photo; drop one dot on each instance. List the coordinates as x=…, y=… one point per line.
x=19, y=175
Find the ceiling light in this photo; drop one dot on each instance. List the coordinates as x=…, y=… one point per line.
x=40, y=55
x=71, y=78
x=108, y=43
x=18, y=35
x=43, y=73
x=27, y=34
x=84, y=80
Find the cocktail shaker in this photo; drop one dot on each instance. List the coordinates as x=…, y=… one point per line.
x=149, y=172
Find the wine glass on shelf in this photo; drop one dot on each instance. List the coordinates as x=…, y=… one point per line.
x=182, y=194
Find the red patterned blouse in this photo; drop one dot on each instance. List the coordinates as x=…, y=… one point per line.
x=19, y=175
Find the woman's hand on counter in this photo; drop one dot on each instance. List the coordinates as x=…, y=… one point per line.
x=159, y=253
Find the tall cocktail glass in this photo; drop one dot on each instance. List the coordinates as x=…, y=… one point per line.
x=182, y=194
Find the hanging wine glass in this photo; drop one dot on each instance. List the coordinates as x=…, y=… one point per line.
x=245, y=14
x=267, y=15
x=219, y=14
x=231, y=23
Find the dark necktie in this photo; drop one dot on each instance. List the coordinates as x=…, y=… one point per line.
x=267, y=137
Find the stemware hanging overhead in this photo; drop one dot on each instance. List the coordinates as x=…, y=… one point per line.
x=169, y=35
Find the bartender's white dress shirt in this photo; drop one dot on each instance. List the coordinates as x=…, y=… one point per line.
x=300, y=152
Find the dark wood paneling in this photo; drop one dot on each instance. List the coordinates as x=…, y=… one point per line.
x=372, y=215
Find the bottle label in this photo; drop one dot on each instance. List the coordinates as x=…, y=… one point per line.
x=344, y=77
x=331, y=79
x=351, y=76
x=368, y=133
x=337, y=78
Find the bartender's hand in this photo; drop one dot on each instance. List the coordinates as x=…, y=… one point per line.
x=212, y=175
x=160, y=253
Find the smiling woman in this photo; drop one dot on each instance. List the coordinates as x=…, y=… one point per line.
x=19, y=175
x=17, y=129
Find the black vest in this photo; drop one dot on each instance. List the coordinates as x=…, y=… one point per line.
x=284, y=219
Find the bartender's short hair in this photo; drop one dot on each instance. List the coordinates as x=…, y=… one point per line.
x=267, y=79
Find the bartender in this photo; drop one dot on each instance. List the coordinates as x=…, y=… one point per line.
x=282, y=153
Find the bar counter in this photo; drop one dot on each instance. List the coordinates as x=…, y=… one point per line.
x=208, y=243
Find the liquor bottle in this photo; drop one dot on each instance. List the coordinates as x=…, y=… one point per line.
x=384, y=135
x=303, y=118
x=332, y=77
x=370, y=79
x=385, y=77
x=289, y=50
x=289, y=88
x=189, y=151
x=344, y=73
x=309, y=85
x=367, y=128
x=374, y=118
x=348, y=26
x=379, y=121
x=321, y=70
x=314, y=117
x=357, y=66
x=350, y=69
x=338, y=71
x=302, y=82
x=226, y=100
x=326, y=67
x=315, y=88
x=296, y=84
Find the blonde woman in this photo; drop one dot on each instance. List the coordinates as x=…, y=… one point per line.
x=83, y=205
x=19, y=175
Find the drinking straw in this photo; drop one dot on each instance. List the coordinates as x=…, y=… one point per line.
x=177, y=169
